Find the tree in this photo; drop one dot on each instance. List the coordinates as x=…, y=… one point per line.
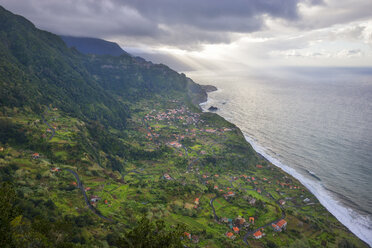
x=149, y=234
x=7, y=213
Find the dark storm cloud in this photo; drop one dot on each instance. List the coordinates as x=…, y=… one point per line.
x=163, y=22
x=214, y=15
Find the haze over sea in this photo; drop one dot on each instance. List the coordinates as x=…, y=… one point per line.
x=315, y=123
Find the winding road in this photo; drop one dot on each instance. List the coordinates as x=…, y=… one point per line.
x=50, y=127
x=214, y=211
x=81, y=187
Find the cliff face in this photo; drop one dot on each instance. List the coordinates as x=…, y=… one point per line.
x=196, y=93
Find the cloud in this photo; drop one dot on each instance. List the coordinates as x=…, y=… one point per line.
x=180, y=23
x=333, y=12
x=214, y=34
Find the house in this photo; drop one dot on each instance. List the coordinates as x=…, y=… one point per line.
x=236, y=229
x=49, y=130
x=282, y=224
x=35, y=155
x=196, y=201
x=167, y=177
x=187, y=235
x=1, y=149
x=230, y=193
x=56, y=169
x=175, y=144
x=281, y=202
x=87, y=188
x=106, y=202
x=215, y=187
x=251, y=220
x=259, y=166
x=258, y=234
x=230, y=235
x=259, y=191
x=94, y=199
x=306, y=200
x=216, y=175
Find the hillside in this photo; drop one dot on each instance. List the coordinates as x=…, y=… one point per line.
x=93, y=45
x=114, y=151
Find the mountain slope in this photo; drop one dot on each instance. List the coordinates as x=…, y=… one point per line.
x=93, y=45
x=36, y=68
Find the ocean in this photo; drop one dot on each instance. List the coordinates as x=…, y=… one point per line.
x=314, y=123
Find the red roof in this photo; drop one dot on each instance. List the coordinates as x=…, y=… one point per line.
x=236, y=229
x=257, y=234
x=229, y=234
x=281, y=223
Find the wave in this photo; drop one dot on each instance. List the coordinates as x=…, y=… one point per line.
x=358, y=224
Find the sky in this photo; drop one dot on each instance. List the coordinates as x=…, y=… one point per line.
x=217, y=34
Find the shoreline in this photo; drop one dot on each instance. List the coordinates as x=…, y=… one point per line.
x=343, y=214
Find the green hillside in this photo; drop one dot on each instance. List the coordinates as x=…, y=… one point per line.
x=104, y=151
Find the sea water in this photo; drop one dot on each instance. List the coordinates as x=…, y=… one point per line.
x=315, y=124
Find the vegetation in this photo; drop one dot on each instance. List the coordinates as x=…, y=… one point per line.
x=99, y=151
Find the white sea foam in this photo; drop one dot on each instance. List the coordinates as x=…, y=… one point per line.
x=360, y=225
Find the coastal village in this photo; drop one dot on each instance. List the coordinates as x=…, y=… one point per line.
x=206, y=184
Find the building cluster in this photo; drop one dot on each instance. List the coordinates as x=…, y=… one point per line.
x=180, y=114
